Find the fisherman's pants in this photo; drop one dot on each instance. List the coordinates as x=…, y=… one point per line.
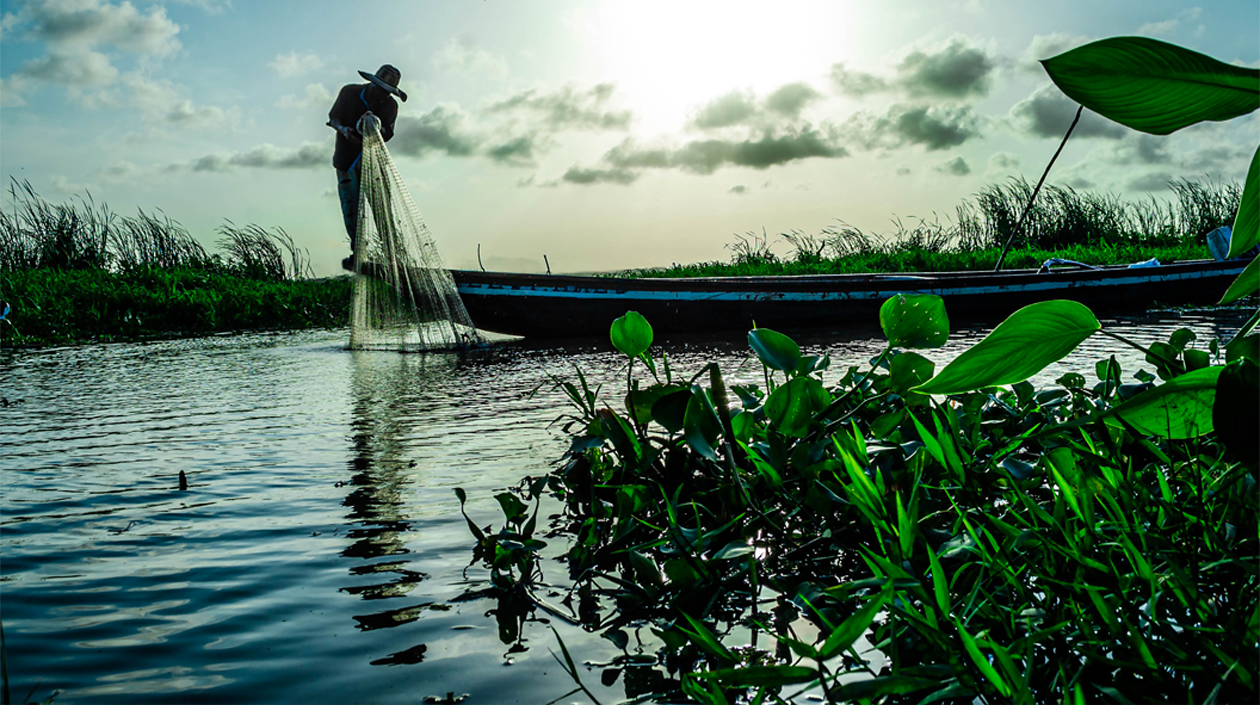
x=348, y=191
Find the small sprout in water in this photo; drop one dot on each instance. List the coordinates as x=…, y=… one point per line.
x=450, y=697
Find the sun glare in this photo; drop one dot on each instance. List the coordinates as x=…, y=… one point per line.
x=669, y=57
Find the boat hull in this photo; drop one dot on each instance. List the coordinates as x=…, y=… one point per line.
x=560, y=306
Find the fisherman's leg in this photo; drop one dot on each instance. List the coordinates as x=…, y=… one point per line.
x=348, y=191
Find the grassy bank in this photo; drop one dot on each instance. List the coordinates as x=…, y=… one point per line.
x=1063, y=223
x=52, y=306
x=917, y=259
x=78, y=272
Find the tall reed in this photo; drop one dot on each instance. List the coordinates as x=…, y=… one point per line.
x=258, y=252
x=38, y=234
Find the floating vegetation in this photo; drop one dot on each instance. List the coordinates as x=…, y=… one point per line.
x=909, y=534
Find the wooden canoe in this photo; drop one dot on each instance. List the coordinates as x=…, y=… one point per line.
x=567, y=306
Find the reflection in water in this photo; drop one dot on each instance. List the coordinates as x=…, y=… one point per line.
x=387, y=399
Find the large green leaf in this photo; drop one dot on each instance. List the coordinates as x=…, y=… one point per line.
x=915, y=321
x=760, y=676
x=776, y=350
x=1236, y=409
x=1153, y=86
x=1180, y=408
x=1246, y=231
x=875, y=688
x=631, y=334
x=670, y=410
x=701, y=426
x=1020, y=347
x=640, y=402
x=1247, y=283
x=855, y=626
x=908, y=370
x=791, y=407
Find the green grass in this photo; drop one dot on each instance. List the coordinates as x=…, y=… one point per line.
x=56, y=306
x=920, y=260
x=1063, y=223
x=76, y=272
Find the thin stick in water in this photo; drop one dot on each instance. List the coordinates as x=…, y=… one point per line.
x=1020, y=225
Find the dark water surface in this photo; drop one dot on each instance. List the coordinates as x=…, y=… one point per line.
x=318, y=554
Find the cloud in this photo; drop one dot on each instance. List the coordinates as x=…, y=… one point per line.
x=957, y=69
x=185, y=114
x=295, y=64
x=954, y=167
x=439, y=130
x=459, y=55
x=79, y=34
x=317, y=96
x=935, y=127
x=1141, y=148
x=904, y=171
x=121, y=171
x=519, y=151
x=566, y=109
x=791, y=99
x=210, y=7
x=1045, y=46
x=82, y=25
x=11, y=90
x=76, y=70
x=161, y=100
x=622, y=164
x=1215, y=159
x=265, y=156
x=578, y=175
x=1155, y=181
x=1048, y=113
x=62, y=185
x=738, y=190
x=856, y=83
x=742, y=108
x=706, y=156
x=734, y=108
x=1159, y=29
x=1003, y=161
x=1169, y=27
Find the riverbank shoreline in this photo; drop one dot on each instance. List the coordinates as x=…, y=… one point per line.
x=49, y=307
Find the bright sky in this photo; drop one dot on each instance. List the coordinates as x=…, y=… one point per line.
x=603, y=135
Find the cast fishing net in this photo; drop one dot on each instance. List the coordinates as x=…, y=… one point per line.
x=404, y=299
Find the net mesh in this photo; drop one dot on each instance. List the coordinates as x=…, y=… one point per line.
x=404, y=299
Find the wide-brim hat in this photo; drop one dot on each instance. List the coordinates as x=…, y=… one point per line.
x=386, y=77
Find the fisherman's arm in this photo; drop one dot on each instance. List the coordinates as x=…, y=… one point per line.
x=334, y=120
x=388, y=117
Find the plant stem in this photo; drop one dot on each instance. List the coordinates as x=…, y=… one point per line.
x=1020, y=225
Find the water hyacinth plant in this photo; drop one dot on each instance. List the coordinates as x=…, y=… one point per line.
x=917, y=535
